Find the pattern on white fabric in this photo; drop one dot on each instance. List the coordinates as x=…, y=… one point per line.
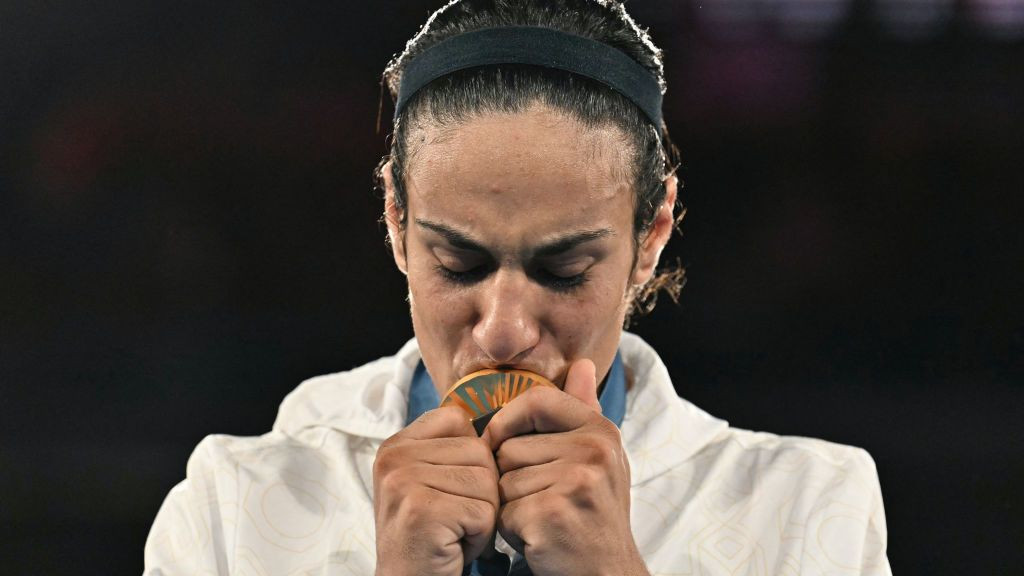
x=707, y=499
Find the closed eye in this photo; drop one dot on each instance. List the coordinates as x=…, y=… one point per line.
x=543, y=277
x=560, y=283
x=463, y=277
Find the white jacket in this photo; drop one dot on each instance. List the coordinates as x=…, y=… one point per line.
x=706, y=498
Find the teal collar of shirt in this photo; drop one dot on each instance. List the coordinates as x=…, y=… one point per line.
x=423, y=395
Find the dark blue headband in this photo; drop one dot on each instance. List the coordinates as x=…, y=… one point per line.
x=534, y=46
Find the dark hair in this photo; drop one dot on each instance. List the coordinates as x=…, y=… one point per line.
x=512, y=88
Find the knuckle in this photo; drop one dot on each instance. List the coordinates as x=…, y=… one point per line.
x=566, y=400
x=527, y=442
x=479, y=451
x=489, y=476
x=478, y=516
x=381, y=465
x=508, y=483
x=608, y=428
x=475, y=508
x=382, y=458
x=422, y=506
x=584, y=478
x=504, y=456
x=454, y=417
x=552, y=514
x=396, y=457
x=487, y=487
x=446, y=418
x=599, y=451
x=583, y=484
x=537, y=397
x=392, y=482
x=390, y=455
x=510, y=517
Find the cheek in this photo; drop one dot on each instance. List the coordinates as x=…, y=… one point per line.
x=437, y=307
x=580, y=323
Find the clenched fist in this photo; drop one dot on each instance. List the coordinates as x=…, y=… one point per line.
x=564, y=481
x=435, y=496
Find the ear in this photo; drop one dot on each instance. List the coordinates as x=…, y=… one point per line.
x=393, y=219
x=657, y=236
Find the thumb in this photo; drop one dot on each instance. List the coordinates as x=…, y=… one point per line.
x=581, y=383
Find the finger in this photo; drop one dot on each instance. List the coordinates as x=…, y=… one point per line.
x=533, y=450
x=489, y=552
x=509, y=525
x=469, y=522
x=580, y=487
x=581, y=383
x=478, y=522
x=521, y=522
x=599, y=444
x=520, y=483
x=446, y=422
x=472, y=482
x=460, y=451
x=475, y=543
x=539, y=409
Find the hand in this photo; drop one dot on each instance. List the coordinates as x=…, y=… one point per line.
x=564, y=480
x=435, y=496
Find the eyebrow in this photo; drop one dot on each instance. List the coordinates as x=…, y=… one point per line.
x=552, y=248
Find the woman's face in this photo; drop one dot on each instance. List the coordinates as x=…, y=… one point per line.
x=518, y=243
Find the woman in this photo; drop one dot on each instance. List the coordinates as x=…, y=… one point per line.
x=528, y=195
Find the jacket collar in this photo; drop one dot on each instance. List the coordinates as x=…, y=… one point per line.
x=369, y=401
x=661, y=430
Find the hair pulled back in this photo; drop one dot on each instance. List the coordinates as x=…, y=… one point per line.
x=462, y=95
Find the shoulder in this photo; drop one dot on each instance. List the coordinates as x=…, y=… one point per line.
x=757, y=502
x=824, y=495
x=281, y=498
x=657, y=416
x=771, y=451
x=350, y=406
x=221, y=466
x=814, y=477
x=193, y=531
x=802, y=504
x=270, y=501
x=369, y=400
x=705, y=490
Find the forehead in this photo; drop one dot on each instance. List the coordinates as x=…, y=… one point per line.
x=538, y=164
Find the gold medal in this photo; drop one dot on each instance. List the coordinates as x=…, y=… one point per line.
x=482, y=393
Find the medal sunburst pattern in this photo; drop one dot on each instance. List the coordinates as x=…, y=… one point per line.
x=483, y=392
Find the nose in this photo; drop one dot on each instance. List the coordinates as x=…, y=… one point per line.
x=507, y=328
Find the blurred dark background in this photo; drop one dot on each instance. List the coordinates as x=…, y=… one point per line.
x=189, y=229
